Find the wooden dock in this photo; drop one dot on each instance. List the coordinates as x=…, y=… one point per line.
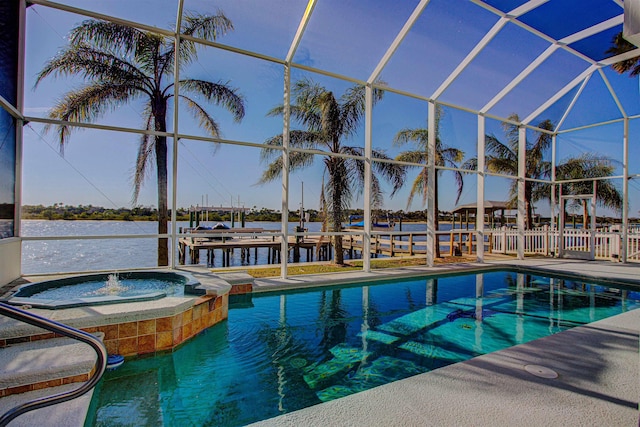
x=246, y=239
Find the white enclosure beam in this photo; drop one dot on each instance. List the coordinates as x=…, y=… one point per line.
x=368, y=154
x=300, y=31
x=572, y=103
x=526, y=7
x=522, y=172
x=617, y=20
x=595, y=29
x=15, y=112
x=284, y=220
x=174, y=166
x=480, y=190
x=625, y=190
x=553, y=178
x=286, y=119
x=613, y=93
x=19, y=125
x=398, y=40
x=618, y=58
x=562, y=92
x=432, y=237
x=520, y=77
x=470, y=56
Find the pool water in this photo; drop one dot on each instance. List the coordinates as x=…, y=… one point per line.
x=122, y=287
x=279, y=352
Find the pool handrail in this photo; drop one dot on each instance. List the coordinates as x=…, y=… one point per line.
x=62, y=329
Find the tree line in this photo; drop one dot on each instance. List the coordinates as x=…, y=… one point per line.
x=60, y=211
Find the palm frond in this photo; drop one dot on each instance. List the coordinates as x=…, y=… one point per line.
x=499, y=150
x=412, y=157
x=501, y=165
x=272, y=172
x=306, y=108
x=207, y=27
x=88, y=103
x=394, y=173
x=297, y=161
x=377, y=199
x=471, y=164
x=619, y=46
x=459, y=185
x=297, y=139
x=108, y=36
x=418, y=136
x=206, y=121
x=144, y=159
x=219, y=93
x=353, y=107
x=419, y=186
x=512, y=132
x=93, y=64
x=449, y=156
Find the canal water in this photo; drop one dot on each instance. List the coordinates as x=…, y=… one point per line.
x=53, y=256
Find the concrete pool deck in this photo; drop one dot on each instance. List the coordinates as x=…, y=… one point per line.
x=598, y=379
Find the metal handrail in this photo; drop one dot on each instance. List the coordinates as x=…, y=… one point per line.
x=62, y=329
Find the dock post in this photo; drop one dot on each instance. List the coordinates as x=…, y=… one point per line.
x=391, y=237
x=351, y=247
x=451, y=244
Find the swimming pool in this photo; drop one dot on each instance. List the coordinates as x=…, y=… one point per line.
x=281, y=352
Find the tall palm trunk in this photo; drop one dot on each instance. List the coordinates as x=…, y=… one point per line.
x=160, y=115
x=336, y=217
x=528, y=206
x=585, y=214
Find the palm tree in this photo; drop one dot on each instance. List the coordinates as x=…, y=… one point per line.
x=122, y=64
x=329, y=121
x=619, y=46
x=445, y=156
x=502, y=157
x=590, y=166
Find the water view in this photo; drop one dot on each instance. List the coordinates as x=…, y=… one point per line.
x=105, y=254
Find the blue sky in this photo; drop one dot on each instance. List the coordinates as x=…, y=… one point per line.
x=347, y=38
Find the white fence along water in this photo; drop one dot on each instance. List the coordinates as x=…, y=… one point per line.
x=545, y=241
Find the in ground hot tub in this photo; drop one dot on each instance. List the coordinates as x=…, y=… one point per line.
x=106, y=288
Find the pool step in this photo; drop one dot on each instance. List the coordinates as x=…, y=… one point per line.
x=71, y=413
x=52, y=362
x=418, y=320
x=345, y=358
x=433, y=352
x=378, y=372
